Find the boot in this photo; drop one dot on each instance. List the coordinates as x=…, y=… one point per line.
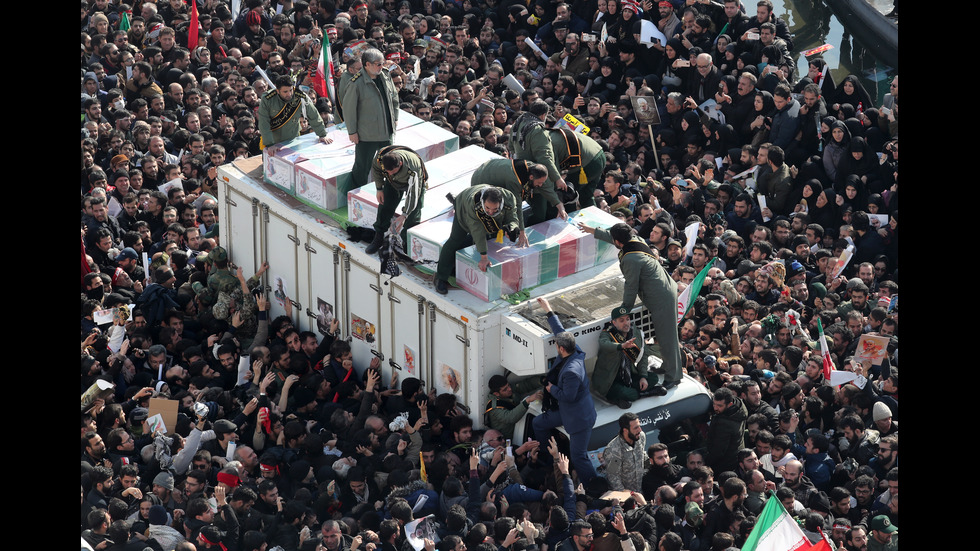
x=375, y=244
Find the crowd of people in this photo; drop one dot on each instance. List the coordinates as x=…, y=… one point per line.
x=278, y=441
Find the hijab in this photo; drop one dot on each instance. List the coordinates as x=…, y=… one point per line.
x=858, y=96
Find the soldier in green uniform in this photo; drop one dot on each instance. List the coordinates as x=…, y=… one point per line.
x=353, y=67
x=501, y=412
x=482, y=212
x=525, y=179
x=622, y=344
x=279, y=114
x=370, y=105
x=221, y=278
x=557, y=150
x=646, y=278
x=583, y=158
x=398, y=171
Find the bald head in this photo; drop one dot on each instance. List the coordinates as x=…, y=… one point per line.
x=492, y=437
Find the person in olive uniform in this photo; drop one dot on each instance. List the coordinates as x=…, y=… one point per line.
x=526, y=180
x=370, y=105
x=622, y=343
x=279, y=113
x=398, y=171
x=221, y=278
x=646, y=277
x=482, y=212
x=557, y=150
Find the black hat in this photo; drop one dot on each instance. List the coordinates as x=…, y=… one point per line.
x=224, y=426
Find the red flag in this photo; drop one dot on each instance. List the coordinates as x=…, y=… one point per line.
x=194, y=29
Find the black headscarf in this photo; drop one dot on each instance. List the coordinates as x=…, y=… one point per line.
x=858, y=96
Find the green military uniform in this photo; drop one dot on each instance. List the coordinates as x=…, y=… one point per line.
x=514, y=177
x=219, y=280
x=605, y=377
x=503, y=414
x=411, y=179
x=584, y=161
x=559, y=150
x=342, y=83
x=371, y=112
x=472, y=226
x=279, y=120
x=874, y=545
x=529, y=140
x=646, y=278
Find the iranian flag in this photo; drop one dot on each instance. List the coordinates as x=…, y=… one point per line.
x=690, y=294
x=323, y=80
x=775, y=530
x=828, y=364
x=124, y=22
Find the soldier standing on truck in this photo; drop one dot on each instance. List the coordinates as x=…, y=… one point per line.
x=371, y=114
x=646, y=278
x=398, y=171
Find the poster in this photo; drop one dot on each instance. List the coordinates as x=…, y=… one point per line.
x=872, y=347
x=324, y=315
x=411, y=357
x=362, y=329
x=420, y=530
x=845, y=257
x=645, y=109
x=280, y=291
x=449, y=379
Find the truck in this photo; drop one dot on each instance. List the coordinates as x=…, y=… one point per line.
x=453, y=342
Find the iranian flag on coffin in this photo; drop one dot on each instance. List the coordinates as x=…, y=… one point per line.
x=576, y=249
x=775, y=530
x=511, y=269
x=597, y=218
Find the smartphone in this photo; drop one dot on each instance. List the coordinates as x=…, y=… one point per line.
x=510, y=450
x=588, y=37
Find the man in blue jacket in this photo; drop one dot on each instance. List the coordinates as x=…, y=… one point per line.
x=818, y=465
x=569, y=385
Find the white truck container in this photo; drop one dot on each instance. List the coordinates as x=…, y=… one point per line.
x=455, y=342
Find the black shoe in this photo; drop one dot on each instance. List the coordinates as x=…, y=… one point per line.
x=375, y=244
x=655, y=390
x=624, y=403
x=442, y=287
x=670, y=384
